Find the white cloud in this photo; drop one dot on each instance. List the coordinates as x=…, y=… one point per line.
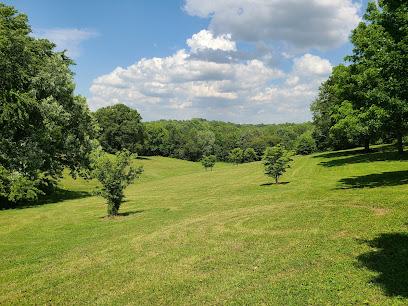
x=302, y=24
x=204, y=40
x=311, y=65
x=66, y=38
x=182, y=86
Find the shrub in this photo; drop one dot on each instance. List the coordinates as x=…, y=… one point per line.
x=276, y=160
x=305, y=144
x=208, y=162
x=236, y=156
x=115, y=173
x=250, y=155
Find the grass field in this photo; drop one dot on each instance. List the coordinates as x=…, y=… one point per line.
x=335, y=232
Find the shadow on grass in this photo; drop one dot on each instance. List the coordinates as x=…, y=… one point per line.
x=124, y=214
x=59, y=195
x=386, y=153
x=143, y=158
x=389, y=258
x=384, y=179
x=270, y=184
x=129, y=213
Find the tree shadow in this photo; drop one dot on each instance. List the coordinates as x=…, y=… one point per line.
x=358, y=157
x=124, y=214
x=143, y=158
x=389, y=258
x=270, y=183
x=343, y=153
x=129, y=213
x=59, y=195
x=383, y=179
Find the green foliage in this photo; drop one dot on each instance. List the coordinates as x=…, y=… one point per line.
x=120, y=128
x=249, y=155
x=305, y=144
x=115, y=173
x=44, y=126
x=192, y=139
x=14, y=187
x=208, y=161
x=236, y=156
x=366, y=101
x=276, y=161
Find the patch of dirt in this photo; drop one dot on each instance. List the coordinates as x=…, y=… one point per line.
x=341, y=234
x=380, y=211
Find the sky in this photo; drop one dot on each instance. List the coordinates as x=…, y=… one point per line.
x=243, y=61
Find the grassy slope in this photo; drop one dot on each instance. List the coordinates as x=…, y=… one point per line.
x=335, y=234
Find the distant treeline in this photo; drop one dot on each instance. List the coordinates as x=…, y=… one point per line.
x=192, y=139
x=122, y=128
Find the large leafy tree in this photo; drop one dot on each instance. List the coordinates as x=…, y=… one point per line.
x=368, y=98
x=44, y=126
x=386, y=28
x=120, y=128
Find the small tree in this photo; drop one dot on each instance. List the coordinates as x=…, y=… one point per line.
x=276, y=161
x=115, y=173
x=208, y=162
x=305, y=144
x=249, y=155
x=236, y=156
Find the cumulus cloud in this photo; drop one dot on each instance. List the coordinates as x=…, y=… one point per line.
x=185, y=85
x=205, y=40
x=67, y=38
x=303, y=24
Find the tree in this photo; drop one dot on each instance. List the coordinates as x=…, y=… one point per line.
x=115, y=173
x=305, y=144
x=120, y=128
x=44, y=126
x=382, y=40
x=276, y=160
x=236, y=156
x=208, y=161
x=249, y=155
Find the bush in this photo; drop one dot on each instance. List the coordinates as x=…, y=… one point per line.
x=208, y=162
x=15, y=188
x=115, y=173
x=305, y=144
x=276, y=161
x=236, y=156
x=250, y=155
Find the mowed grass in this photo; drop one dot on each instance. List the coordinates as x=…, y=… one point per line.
x=335, y=233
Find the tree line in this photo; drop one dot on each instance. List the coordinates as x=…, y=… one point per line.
x=364, y=101
x=122, y=128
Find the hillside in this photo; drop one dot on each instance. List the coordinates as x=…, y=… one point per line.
x=334, y=232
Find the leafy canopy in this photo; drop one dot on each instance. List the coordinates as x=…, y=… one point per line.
x=276, y=160
x=120, y=128
x=208, y=161
x=44, y=126
x=115, y=173
x=236, y=156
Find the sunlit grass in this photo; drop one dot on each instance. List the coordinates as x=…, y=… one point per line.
x=331, y=235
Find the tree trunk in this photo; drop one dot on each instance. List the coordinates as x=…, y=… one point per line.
x=276, y=179
x=367, y=145
x=400, y=145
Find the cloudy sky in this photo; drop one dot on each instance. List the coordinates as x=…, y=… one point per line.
x=245, y=61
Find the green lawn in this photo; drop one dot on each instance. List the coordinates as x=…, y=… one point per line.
x=335, y=233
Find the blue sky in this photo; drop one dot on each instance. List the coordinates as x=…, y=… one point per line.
x=246, y=63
